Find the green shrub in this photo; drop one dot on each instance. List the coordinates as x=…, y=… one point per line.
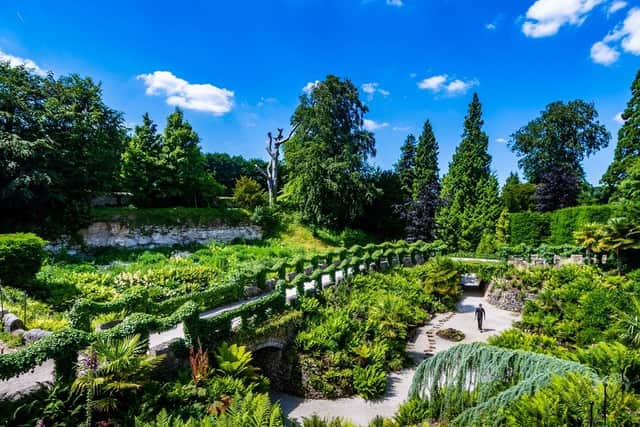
x=21, y=257
x=413, y=411
x=248, y=194
x=266, y=218
x=530, y=228
x=563, y=222
x=370, y=382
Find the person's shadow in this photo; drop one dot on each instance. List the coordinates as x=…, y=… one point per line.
x=486, y=330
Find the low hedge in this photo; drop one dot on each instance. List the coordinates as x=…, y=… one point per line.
x=21, y=256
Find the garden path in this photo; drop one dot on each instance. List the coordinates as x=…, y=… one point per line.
x=360, y=411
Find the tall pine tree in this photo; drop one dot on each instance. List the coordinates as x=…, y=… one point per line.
x=469, y=189
x=420, y=212
x=628, y=148
x=406, y=166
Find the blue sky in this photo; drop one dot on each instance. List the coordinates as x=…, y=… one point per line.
x=238, y=67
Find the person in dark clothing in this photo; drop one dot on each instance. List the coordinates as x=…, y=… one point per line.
x=480, y=315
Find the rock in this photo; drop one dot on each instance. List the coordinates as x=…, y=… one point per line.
x=251, y=291
x=33, y=335
x=384, y=265
x=11, y=322
x=373, y=266
x=308, y=270
x=271, y=283
x=291, y=276
x=407, y=261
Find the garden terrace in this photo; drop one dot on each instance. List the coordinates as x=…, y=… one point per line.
x=148, y=317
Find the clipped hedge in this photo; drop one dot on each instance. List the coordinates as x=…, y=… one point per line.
x=554, y=228
x=21, y=256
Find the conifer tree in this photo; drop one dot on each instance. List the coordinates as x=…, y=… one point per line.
x=628, y=148
x=406, y=166
x=469, y=189
x=426, y=160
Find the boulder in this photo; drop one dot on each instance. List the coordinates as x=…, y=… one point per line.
x=251, y=291
x=34, y=335
x=11, y=322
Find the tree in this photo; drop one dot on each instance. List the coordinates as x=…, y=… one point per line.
x=628, y=147
x=518, y=196
x=227, y=169
x=426, y=164
x=629, y=188
x=406, y=166
x=59, y=145
x=248, y=194
x=380, y=216
x=327, y=156
x=502, y=228
x=271, y=171
x=142, y=169
x=557, y=190
x=620, y=235
x=469, y=189
x=590, y=238
x=555, y=144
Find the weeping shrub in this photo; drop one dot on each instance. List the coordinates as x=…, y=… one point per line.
x=483, y=370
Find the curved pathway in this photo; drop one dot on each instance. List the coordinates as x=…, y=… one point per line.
x=360, y=411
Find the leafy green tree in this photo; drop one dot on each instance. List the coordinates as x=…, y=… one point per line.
x=518, y=196
x=469, y=189
x=248, y=194
x=628, y=147
x=228, y=169
x=621, y=234
x=554, y=145
x=327, y=156
x=59, y=146
x=143, y=171
x=380, y=215
x=629, y=187
x=406, y=166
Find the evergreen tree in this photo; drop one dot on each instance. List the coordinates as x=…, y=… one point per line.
x=406, y=166
x=518, y=196
x=420, y=211
x=427, y=170
x=628, y=148
x=142, y=169
x=469, y=189
x=188, y=183
x=502, y=228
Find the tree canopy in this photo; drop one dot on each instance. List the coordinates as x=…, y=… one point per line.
x=469, y=189
x=327, y=156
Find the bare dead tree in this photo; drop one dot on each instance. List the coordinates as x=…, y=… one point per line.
x=273, y=150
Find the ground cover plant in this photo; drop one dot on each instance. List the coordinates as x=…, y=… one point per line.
x=355, y=333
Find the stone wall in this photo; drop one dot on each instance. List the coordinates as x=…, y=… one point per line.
x=116, y=234
x=510, y=299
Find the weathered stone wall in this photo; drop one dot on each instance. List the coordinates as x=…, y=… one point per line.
x=510, y=299
x=116, y=234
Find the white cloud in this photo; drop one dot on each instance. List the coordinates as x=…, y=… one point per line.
x=308, y=88
x=16, y=61
x=441, y=82
x=490, y=26
x=372, y=125
x=625, y=36
x=602, y=53
x=460, y=86
x=501, y=140
x=433, y=83
x=546, y=17
x=397, y=3
x=372, y=88
x=618, y=118
x=616, y=6
x=181, y=93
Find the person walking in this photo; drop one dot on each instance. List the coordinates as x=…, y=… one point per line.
x=480, y=316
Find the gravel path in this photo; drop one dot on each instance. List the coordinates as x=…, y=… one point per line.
x=360, y=411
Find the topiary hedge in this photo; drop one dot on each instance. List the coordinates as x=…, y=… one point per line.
x=21, y=256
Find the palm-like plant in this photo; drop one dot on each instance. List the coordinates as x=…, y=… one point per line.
x=442, y=277
x=235, y=361
x=619, y=235
x=112, y=368
x=589, y=237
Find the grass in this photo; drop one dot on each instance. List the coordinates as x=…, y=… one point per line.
x=173, y=216
x=295, y=235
